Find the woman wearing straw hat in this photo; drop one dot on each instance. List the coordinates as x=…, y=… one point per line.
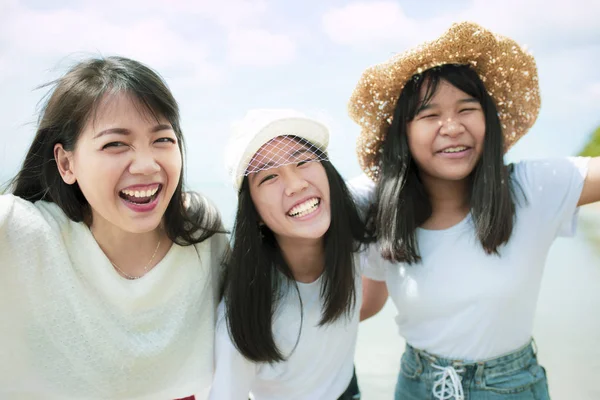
x=466, y=236
x=108, y=282
x=288, y=321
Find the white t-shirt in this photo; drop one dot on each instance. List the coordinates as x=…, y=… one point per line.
x=461, y=303
x=72, y=328
x=320, y=367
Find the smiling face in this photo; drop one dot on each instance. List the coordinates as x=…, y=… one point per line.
x=292, y=197
x=446, y=135
x=127, y=164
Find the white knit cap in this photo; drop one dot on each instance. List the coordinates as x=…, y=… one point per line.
x=259, y=127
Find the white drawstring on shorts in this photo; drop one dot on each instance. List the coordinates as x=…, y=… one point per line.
x=448, y=384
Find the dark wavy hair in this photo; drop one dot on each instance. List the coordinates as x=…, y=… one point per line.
x=402, y=203
x=71, y=101
x=255, y=266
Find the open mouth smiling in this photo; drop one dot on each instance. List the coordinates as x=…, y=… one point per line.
x=305, y=208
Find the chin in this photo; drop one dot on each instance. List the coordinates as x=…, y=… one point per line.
x=456, y=175
x=141, y=227
x=316, y=232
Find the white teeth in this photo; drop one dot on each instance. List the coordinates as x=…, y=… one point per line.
x=454, y=149
x=304, y=208
x=140, y=193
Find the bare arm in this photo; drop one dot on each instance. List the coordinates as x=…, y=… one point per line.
x=591, y=186
x=375, y=294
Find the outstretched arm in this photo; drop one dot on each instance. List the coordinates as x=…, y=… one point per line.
x=591, y=186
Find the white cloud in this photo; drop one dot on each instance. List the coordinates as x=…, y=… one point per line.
x=257, y=47
x=68, y=33
x=381, y=23
x=538, y=20
x=362, y=23
x=227, y=13
x=243, y=23
x=144, y=30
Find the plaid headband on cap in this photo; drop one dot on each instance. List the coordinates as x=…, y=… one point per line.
x=267, y=139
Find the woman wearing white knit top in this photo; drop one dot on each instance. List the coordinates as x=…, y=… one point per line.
x=107, y=281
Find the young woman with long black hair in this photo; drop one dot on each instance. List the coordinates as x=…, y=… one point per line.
x=108, y=280
x=288, y=321
x=465, y=234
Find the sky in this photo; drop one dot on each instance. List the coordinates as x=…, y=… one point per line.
x=222, y=58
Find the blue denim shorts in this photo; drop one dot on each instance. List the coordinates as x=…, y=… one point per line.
x=515, y=376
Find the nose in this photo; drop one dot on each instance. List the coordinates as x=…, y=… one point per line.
x=144, y=163
x=294, y=183
x=451, y=127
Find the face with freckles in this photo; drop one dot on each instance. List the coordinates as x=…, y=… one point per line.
x=446, y=135
x=291, y=195
x=127, y=164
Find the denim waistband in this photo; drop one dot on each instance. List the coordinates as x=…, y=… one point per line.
x=517, y=359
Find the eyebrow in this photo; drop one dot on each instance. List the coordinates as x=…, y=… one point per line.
x=268, y=165
x=461, y=101
x=262, y=167
x=125, y=132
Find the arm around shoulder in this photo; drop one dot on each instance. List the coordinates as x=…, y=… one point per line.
x=375, y=295
x=374, y=288
x=6, y=209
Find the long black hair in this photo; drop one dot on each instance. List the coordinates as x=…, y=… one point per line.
x=402, y=203
x=255, y=264
x=72, y=100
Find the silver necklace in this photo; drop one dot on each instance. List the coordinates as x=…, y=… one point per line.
x=146, y=270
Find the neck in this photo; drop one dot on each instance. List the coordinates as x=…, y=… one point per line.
x=306, y=258
x=132, y=254
x=449, y=202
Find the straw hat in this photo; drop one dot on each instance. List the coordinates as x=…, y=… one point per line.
x=508, y=71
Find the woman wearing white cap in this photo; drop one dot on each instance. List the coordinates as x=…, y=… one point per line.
x=288, y=321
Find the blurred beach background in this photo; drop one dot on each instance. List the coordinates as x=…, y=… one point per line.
x=222, y=58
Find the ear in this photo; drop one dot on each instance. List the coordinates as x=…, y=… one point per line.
x=64, y=162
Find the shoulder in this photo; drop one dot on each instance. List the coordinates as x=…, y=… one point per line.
x=28, y=229
x=550, y=170
x=27, y=217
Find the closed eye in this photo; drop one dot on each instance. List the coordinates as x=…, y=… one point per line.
x=267, y=178
x=429, y=116
x=113, y=144
x=165, y=140
x=468, y=109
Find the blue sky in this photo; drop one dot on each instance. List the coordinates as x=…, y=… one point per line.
x=224, y=57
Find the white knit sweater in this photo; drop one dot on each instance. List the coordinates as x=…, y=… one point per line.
x=72, y=328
